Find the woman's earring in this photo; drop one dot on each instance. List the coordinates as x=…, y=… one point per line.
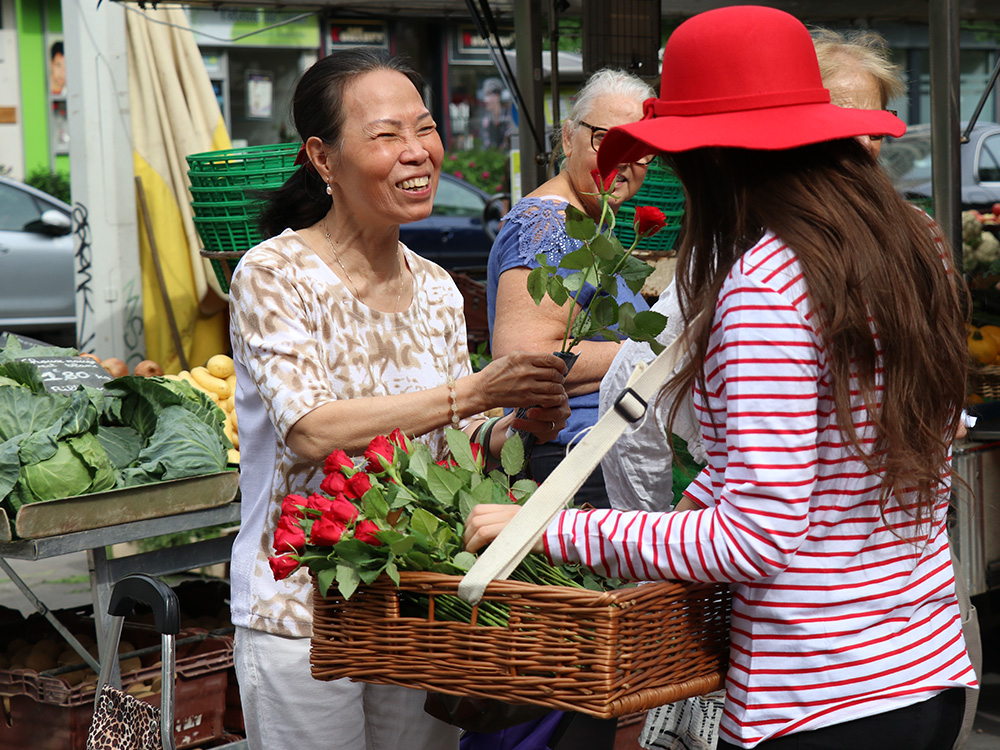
x=329, y=190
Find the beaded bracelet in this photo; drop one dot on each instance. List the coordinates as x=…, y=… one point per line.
x=453, y=400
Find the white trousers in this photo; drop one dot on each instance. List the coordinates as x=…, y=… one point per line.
x=284, y=708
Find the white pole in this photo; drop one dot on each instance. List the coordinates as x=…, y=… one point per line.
x=108, y=276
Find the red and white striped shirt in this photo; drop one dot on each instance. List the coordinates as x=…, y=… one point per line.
x=835, y=617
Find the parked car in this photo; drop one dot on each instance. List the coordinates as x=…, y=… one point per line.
x=459, y=232
x=37, y=282
x=907, y=159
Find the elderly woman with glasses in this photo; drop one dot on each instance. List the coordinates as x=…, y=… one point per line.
x=537, y=224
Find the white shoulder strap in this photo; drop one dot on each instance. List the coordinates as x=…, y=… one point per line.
x=511, y=546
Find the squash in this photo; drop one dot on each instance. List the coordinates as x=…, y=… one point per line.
x=982, y=348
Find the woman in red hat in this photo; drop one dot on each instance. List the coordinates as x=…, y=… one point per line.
x=827, y=370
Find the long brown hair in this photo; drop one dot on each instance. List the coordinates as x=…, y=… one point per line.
x=870, y=264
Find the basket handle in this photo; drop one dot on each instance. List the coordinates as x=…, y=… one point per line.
x=513, y=544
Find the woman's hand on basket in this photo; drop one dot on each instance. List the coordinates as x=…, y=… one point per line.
x=525, y=379
x=485, y=523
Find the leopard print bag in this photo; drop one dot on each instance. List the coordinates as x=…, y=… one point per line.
x=123, y=722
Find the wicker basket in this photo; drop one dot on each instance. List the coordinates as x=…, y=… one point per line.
x=606, y=654
x=987, y=381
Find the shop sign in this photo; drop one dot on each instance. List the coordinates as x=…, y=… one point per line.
x=468, y=47
x=254, y=28
x=354, y=33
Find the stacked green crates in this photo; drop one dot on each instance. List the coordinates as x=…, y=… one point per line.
x=661, y=189
x=224, y=187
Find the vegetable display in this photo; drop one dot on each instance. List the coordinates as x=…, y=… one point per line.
x=134, y=431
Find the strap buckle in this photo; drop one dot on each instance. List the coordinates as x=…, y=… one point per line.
x=630, y=405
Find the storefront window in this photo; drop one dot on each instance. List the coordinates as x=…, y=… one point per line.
x=974, y=66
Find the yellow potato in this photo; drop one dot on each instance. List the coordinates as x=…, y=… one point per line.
x=233, y=436
x=234, y=456
x=221, y=366
x=210, y=383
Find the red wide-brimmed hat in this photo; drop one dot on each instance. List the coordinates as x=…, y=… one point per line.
x=740, y=77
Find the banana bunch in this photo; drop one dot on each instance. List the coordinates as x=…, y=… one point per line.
x=218, y=380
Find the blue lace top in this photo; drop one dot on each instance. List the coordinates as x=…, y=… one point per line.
x=533, y=226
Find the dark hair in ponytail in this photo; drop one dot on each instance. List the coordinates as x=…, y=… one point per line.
x=318, y=110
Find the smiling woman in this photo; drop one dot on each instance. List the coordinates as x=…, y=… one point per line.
x=341, y=333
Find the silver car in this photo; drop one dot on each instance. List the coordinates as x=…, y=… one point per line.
x=37, y=284
x=907, y=159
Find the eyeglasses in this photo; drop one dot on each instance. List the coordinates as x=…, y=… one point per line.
x=597, y=135
x=877, y=138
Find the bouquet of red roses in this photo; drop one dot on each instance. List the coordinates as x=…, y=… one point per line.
x=399, y=509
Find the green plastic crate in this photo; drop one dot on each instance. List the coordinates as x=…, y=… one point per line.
x=261, y=160
x=222, y=234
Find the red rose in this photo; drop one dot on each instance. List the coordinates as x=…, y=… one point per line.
x=605, y=185
x=648, y=221
x=334, y=484
x=288, y=535
x=290, y=506
x=358, y=485
x=365, y=532
x=342, y=510
x=318, y=502
x=447, y=463
x=282, y=566
x=477, y=454
x=379, y=454
x=326, y=530
x=337, y=462
x=398, y=439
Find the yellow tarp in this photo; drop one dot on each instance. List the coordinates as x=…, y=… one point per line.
x=174, y=113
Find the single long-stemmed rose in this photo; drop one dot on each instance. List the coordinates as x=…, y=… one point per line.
x=602, y=262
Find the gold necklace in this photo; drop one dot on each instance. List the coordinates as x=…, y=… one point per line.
x=354, y=288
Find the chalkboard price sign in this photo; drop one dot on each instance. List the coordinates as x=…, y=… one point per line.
x=64, y=374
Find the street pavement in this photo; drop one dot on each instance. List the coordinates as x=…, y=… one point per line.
x=63, y=582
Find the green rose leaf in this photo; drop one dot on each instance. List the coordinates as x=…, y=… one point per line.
x=524, y=488
x=577, y=260
x=374, y=505
x=461, y=449
x=604, y=312
x=650, y=323
x=424, y=522
x=325, y=579
x=626, y=318
x=443, y=484
x=402, y=545
x=579, y=226
x=512, y=455
x=464, y=560
x=557, y=290
x=420, y=459
x=574, y=281
x=393, y=572
x=606, y=248
x=634, y=273
x=537, y=284
x=347, y=580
